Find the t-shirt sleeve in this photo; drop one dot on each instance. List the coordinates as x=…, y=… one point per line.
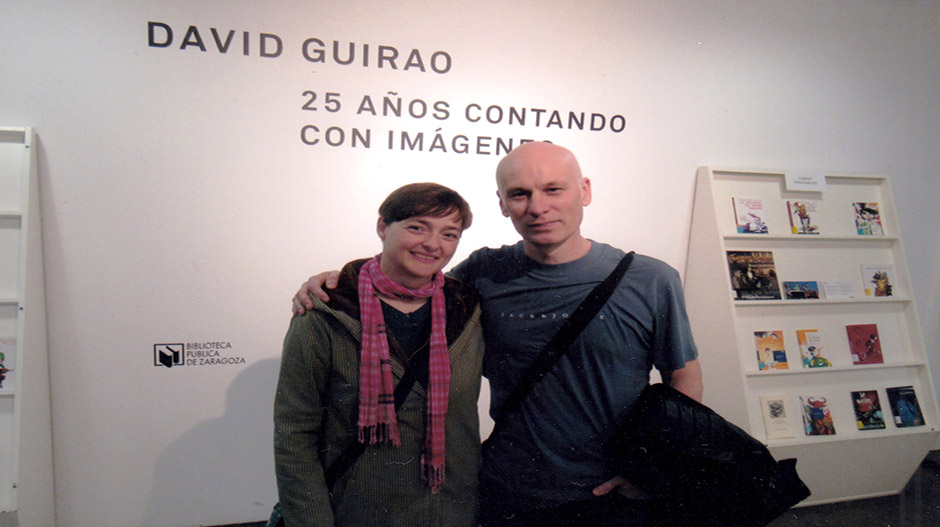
x=673, y=344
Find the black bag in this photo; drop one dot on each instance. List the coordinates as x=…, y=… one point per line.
x=703, y=470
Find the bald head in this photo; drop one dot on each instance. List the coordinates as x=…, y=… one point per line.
x=537, y=157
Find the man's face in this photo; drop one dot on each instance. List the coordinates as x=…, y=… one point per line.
x=544, y=199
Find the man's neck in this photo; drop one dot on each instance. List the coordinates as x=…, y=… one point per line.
x=570, y=251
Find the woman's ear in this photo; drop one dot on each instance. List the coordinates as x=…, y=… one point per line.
x=380, y=228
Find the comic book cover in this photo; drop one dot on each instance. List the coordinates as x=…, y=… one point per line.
x=868, y=219
x=749, y=216
x=776, y=415
x=817, y=419
x=812, y=350
x=904, y=407
x=803, y=216
x=801, y=290
x=868, y=414
x=864, y=344
x=771, y=354
x=879, y=280
x=753, y=276
x=7, y=355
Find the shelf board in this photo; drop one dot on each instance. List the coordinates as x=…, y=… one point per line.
x=853, y=434
x=744, y=172
x=811, y=238
x=823, y=301
x=835, y=369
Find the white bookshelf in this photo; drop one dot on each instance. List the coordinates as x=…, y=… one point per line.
x=26, y=473
x=852, y=463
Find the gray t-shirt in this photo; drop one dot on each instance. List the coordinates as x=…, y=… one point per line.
x=557, y=439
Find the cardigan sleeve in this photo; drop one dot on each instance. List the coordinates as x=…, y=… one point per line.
x=299, y=423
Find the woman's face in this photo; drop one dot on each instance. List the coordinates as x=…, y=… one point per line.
x=416, y=248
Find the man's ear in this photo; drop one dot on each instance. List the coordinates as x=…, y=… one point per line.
x=380, y=228
x=586, y=192
x=502, y=207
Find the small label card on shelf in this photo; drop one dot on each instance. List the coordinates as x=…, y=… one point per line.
x=835, y=289
x=805, y=181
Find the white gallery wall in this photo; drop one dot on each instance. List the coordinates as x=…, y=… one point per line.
x=198, y=160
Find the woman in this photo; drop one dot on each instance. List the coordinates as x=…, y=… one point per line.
x=343, y=360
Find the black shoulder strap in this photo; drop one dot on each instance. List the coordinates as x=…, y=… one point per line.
x=563, y=338
x=355, y=449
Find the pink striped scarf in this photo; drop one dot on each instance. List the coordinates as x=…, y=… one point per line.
x=377, y=420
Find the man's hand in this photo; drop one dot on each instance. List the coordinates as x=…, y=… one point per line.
x=624, y=487
x=315, y=286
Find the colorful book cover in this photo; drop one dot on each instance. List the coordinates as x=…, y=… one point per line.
x=811, y=348
x=771, y=354
x=864, y=344
x=749, y=216
x=868, y=414
x=868, y=219
x=879, y=280
x=817, y=419
x=904, y=406
x=801, y=290
x=753, y=276
x=776, y=416
x=803, y=215
x=7, y=348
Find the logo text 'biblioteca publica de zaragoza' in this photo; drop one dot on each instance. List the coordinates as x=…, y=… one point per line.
x=213, y=353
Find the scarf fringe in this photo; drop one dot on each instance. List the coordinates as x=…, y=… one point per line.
x=433, y=474
x=380, y=433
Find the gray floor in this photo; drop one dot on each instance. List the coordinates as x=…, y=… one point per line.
x=918, y=505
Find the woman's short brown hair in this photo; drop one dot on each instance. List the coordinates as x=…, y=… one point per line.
x=424, y=199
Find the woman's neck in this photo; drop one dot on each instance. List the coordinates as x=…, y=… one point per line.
x=405, y=306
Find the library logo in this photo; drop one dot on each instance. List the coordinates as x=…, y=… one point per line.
x=168, y=355
x=213, y=353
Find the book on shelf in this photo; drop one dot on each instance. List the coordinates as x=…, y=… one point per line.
x=879, y=280
x=864, y=344
x=7, y=349
x=868, y=414
x=817, y=419
x=776, y=414
x=868, y=219
x=771, y=353
x=803, y=216
x=904, y=406
x=811, y=348
x=749, y=216
x=801, y=290
x=753, y=276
